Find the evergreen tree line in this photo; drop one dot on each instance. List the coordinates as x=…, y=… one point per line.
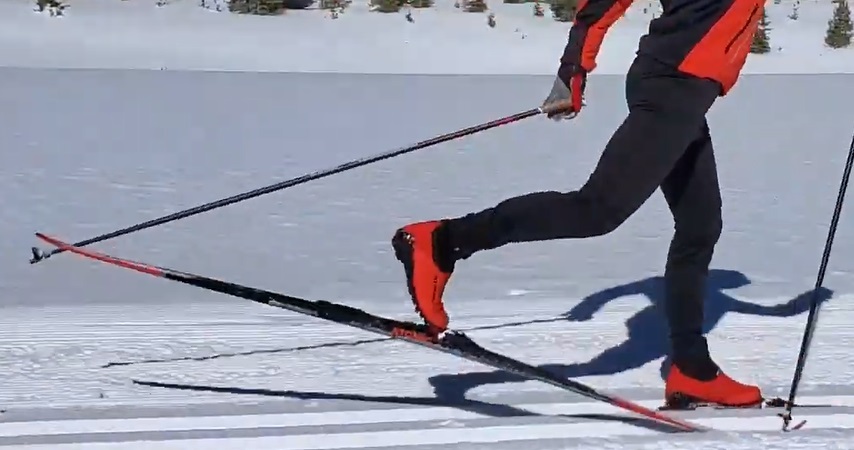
x=838, y=35
x=839, y=28
x=561, y=10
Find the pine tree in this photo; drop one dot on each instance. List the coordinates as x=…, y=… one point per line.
x=257, y=7
x=563, y=10
x=839, y=28
x=53, y=7
x=475, y=6
x=794, y=15
x=387, y=6
x=538, y=10
x=761, y=40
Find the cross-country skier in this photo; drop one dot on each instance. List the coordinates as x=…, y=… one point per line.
x=692, y=54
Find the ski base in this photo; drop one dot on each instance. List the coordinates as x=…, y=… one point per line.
x=685, y=403
x=454, y=343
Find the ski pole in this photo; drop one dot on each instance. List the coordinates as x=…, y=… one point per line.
x=812, y=318
x=39, y=255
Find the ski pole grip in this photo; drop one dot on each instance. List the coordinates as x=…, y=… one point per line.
x=556, y=106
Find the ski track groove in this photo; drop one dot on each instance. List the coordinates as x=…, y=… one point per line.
x=57, y=359
x=370, y=428
x=70, y=344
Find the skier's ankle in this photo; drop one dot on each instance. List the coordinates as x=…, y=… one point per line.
x=443, y=250
x=691, y=356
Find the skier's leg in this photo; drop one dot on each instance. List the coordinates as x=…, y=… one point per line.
x=693, y=195
x=666, y=110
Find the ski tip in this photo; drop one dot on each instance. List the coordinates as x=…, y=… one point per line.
x=45, y=238
x=61, y=246
x=91, y=254
x=39, y=254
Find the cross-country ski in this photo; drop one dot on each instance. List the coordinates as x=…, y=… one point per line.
x=454, y=343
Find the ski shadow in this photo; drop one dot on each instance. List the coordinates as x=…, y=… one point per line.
x=337, y=344
x=495, y=410
x=647, y=330
x=246, y=353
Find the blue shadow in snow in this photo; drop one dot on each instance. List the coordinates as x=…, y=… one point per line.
x=647, y=330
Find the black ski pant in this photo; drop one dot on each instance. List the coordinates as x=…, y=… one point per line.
x=663, y=143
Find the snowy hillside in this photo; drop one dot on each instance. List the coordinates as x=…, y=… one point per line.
x=441, y=39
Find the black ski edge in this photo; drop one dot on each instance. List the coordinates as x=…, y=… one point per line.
x=772, y=403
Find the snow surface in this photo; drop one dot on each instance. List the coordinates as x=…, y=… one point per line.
x=98, y=150
x=94, y=357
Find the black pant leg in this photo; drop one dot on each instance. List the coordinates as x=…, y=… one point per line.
x=694, y=198
x=666, y=111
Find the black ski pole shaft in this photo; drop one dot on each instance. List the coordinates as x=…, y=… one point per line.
x=39, y=255
x=812, y=318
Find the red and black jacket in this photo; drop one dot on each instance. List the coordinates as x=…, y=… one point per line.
x=705, y=38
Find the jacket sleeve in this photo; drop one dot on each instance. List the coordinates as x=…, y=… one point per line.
x=592, y=20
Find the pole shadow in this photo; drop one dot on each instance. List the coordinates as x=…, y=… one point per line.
x=246, y=353
x=311, y=346
x=647, y=330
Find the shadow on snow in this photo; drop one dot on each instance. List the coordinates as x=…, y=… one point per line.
x=647, y=330
x=647, y=341
x=475, y=406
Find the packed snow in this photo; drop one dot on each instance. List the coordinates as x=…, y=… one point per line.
x=95, y=357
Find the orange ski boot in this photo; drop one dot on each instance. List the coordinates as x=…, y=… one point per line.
x=427, y=271
x=685, y=392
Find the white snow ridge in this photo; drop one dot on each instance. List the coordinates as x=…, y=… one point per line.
x=119, y=112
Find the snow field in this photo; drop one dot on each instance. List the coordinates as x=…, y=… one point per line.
x=442, y=40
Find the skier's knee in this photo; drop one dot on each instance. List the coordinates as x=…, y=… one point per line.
x=606, y=217
x=704, y=233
